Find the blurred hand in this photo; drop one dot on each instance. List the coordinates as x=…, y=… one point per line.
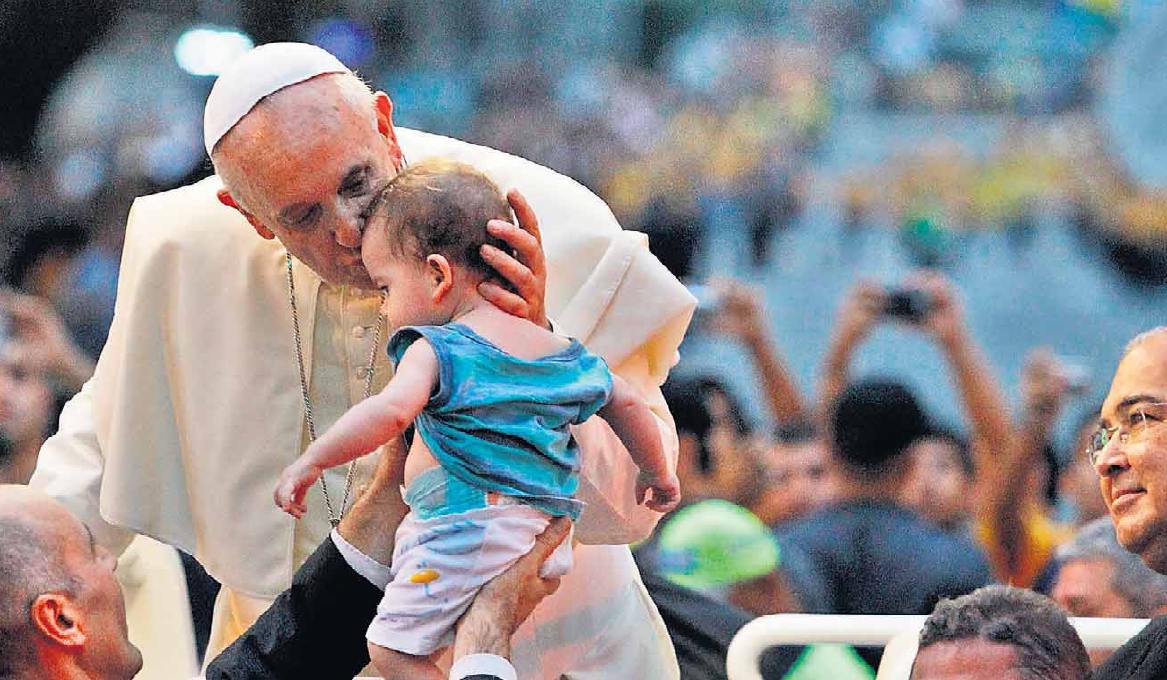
x=740, y=312
x=861, y=311
x=35, y=322
x=945, y=320
x=1044, y=386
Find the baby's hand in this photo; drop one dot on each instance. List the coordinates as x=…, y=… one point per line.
x=293, y=486
x=666, y=491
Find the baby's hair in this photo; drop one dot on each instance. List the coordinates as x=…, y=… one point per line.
x=442, y=206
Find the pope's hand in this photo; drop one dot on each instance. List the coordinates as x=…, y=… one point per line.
x=666, y=491
x=293, y=486
x=526, y=271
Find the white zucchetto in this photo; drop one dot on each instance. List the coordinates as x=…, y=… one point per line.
x=262, y=71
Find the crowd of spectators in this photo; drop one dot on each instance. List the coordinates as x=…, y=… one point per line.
x=873, y=505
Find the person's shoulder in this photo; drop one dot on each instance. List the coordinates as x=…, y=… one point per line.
x=188, y=226
x=1142, y=657
x=189, y=214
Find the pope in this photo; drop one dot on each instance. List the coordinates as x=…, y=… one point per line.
x=245, y=323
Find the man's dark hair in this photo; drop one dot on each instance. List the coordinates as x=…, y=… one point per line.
x=6, y=450
x=442, y=206
x=795, y=432
x=874, y=422
x=52, y=238
x=691, y=415
x=1048, y=647
x=27, y=570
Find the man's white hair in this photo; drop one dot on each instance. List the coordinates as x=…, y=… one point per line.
x=1143, y=337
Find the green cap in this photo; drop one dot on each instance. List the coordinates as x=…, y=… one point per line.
x=714, y=544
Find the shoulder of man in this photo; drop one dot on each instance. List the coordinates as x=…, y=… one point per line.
x=191, y=223
x=1143, y=657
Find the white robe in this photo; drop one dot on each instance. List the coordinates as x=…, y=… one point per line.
x=195, y=404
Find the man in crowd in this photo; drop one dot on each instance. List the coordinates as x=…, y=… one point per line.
x=1000, y=633
x=872, y=555
x=26, y=407
x=1097, y=577
x=229, y=352
x=62, y=613
x=796, y=476
x=1129, y=452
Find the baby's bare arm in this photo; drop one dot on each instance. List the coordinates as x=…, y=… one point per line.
x=383, y=416
x=630, y=418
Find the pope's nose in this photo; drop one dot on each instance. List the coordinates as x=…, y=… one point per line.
x=348, y=234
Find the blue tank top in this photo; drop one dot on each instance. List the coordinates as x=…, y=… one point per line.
x=500, y=423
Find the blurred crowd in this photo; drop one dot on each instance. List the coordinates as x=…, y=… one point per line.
x=857, y=501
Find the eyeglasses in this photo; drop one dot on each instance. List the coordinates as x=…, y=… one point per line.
x=1138, y=422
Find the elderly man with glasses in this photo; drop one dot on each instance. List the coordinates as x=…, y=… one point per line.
x=1129, y=451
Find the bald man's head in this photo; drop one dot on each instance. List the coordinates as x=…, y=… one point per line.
x=29, y=566
x=60, y=605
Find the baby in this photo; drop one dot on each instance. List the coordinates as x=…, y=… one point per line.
x=491, y=397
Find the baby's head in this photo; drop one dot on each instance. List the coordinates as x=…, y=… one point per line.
x=424, y=237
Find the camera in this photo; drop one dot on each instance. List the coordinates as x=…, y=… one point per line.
x=908, y=305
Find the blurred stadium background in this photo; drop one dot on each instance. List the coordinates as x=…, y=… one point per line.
x=794, y=145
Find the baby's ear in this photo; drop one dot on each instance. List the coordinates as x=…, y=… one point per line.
x=440, y=275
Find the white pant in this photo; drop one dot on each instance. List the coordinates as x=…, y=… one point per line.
x=599, y=625
x=440, y=564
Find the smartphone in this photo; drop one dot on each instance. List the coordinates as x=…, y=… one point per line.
x=908, y=305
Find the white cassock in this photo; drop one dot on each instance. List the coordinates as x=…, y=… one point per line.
x=195, y=406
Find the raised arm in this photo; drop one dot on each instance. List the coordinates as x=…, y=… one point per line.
x=1000, y=483
x=381, y=418
x=857, y=316
x=629, y=417
x=741, y=315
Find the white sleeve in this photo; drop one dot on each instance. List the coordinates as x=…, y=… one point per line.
x=373, y=571
x=483, y=664
x=71, y=466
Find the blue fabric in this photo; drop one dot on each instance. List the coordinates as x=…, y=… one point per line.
x=500, y=423
x=436, y=492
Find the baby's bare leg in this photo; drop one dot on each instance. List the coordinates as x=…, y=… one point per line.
x=395, y=665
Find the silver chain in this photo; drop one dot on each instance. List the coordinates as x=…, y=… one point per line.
x=333, y=516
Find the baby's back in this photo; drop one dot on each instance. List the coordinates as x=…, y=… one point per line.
x=514, y=335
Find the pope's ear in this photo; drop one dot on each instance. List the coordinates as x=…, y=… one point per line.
x=383, y=109
x=228, y=200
